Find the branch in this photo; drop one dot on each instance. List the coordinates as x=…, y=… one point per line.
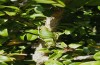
x=79, y=58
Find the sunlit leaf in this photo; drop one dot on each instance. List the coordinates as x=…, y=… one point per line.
x=57, y=54
x=67, y=32
x=10, y=13
x=5, y=58
x=2, y=13
x=13, y=7
x=98, y=7
x=75, y=63
x=91, y=63
x=73, y=45
x=97, y=56
x=22, y=37
x=38, y=9
x=61, y=45
x=53, y=62
x=45, y=1
x=66, y=62
x=31, y=37
x=45, y=50
x=4, y=32
x=33, y=16
x=45, y=33
x=32, y=31
x=59, y=3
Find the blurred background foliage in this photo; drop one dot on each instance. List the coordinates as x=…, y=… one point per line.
x=77, y=32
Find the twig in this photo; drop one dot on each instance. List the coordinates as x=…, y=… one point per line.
x=79, y=58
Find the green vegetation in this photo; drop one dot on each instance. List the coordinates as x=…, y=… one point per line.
x=68, y=31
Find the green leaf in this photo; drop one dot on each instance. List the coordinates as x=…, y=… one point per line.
x=48, y=40
x=5, y=58
x=61, y=45
x=33, y=16
x=91, y=63
x=75, y=63
x=57, y=54
x=45, y=1
x=4, y=33
x=2, y=13
x=45, y=33
x=45, y=50
x=31, y=37
x=32, y=31
x=13, y=7
x=22, y=37
x=53, y=62
x=97, y=56
x=67, y=32
x=10, y=13
x=39, y=9
x=59, y=3
x=67, y=62
x=3, y=63
x=98, y=7
x=73, y=45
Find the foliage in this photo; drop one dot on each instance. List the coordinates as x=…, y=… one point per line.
x=22, y=24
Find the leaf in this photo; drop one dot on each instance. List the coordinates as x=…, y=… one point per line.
x=59, y=3
x=57, y=54
x=5, y=58
x=61, y=45
x=2, y=13
x=53, y=62
x=75, y=63
x=48, y=40
x=10, y=13
x=22, y=37
x=45, y=50
x=67, y=32
x=33, y=16
x=73, y=45
x=13, y=7
x=67, y=62
x=39, y=9
x=3, y=63
x=45, y=1
x=31, y=37
x=98, y=7
x=45, y=33
x=97, y=56
x=32, y=31
x=4, y=32
x=91, y=63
